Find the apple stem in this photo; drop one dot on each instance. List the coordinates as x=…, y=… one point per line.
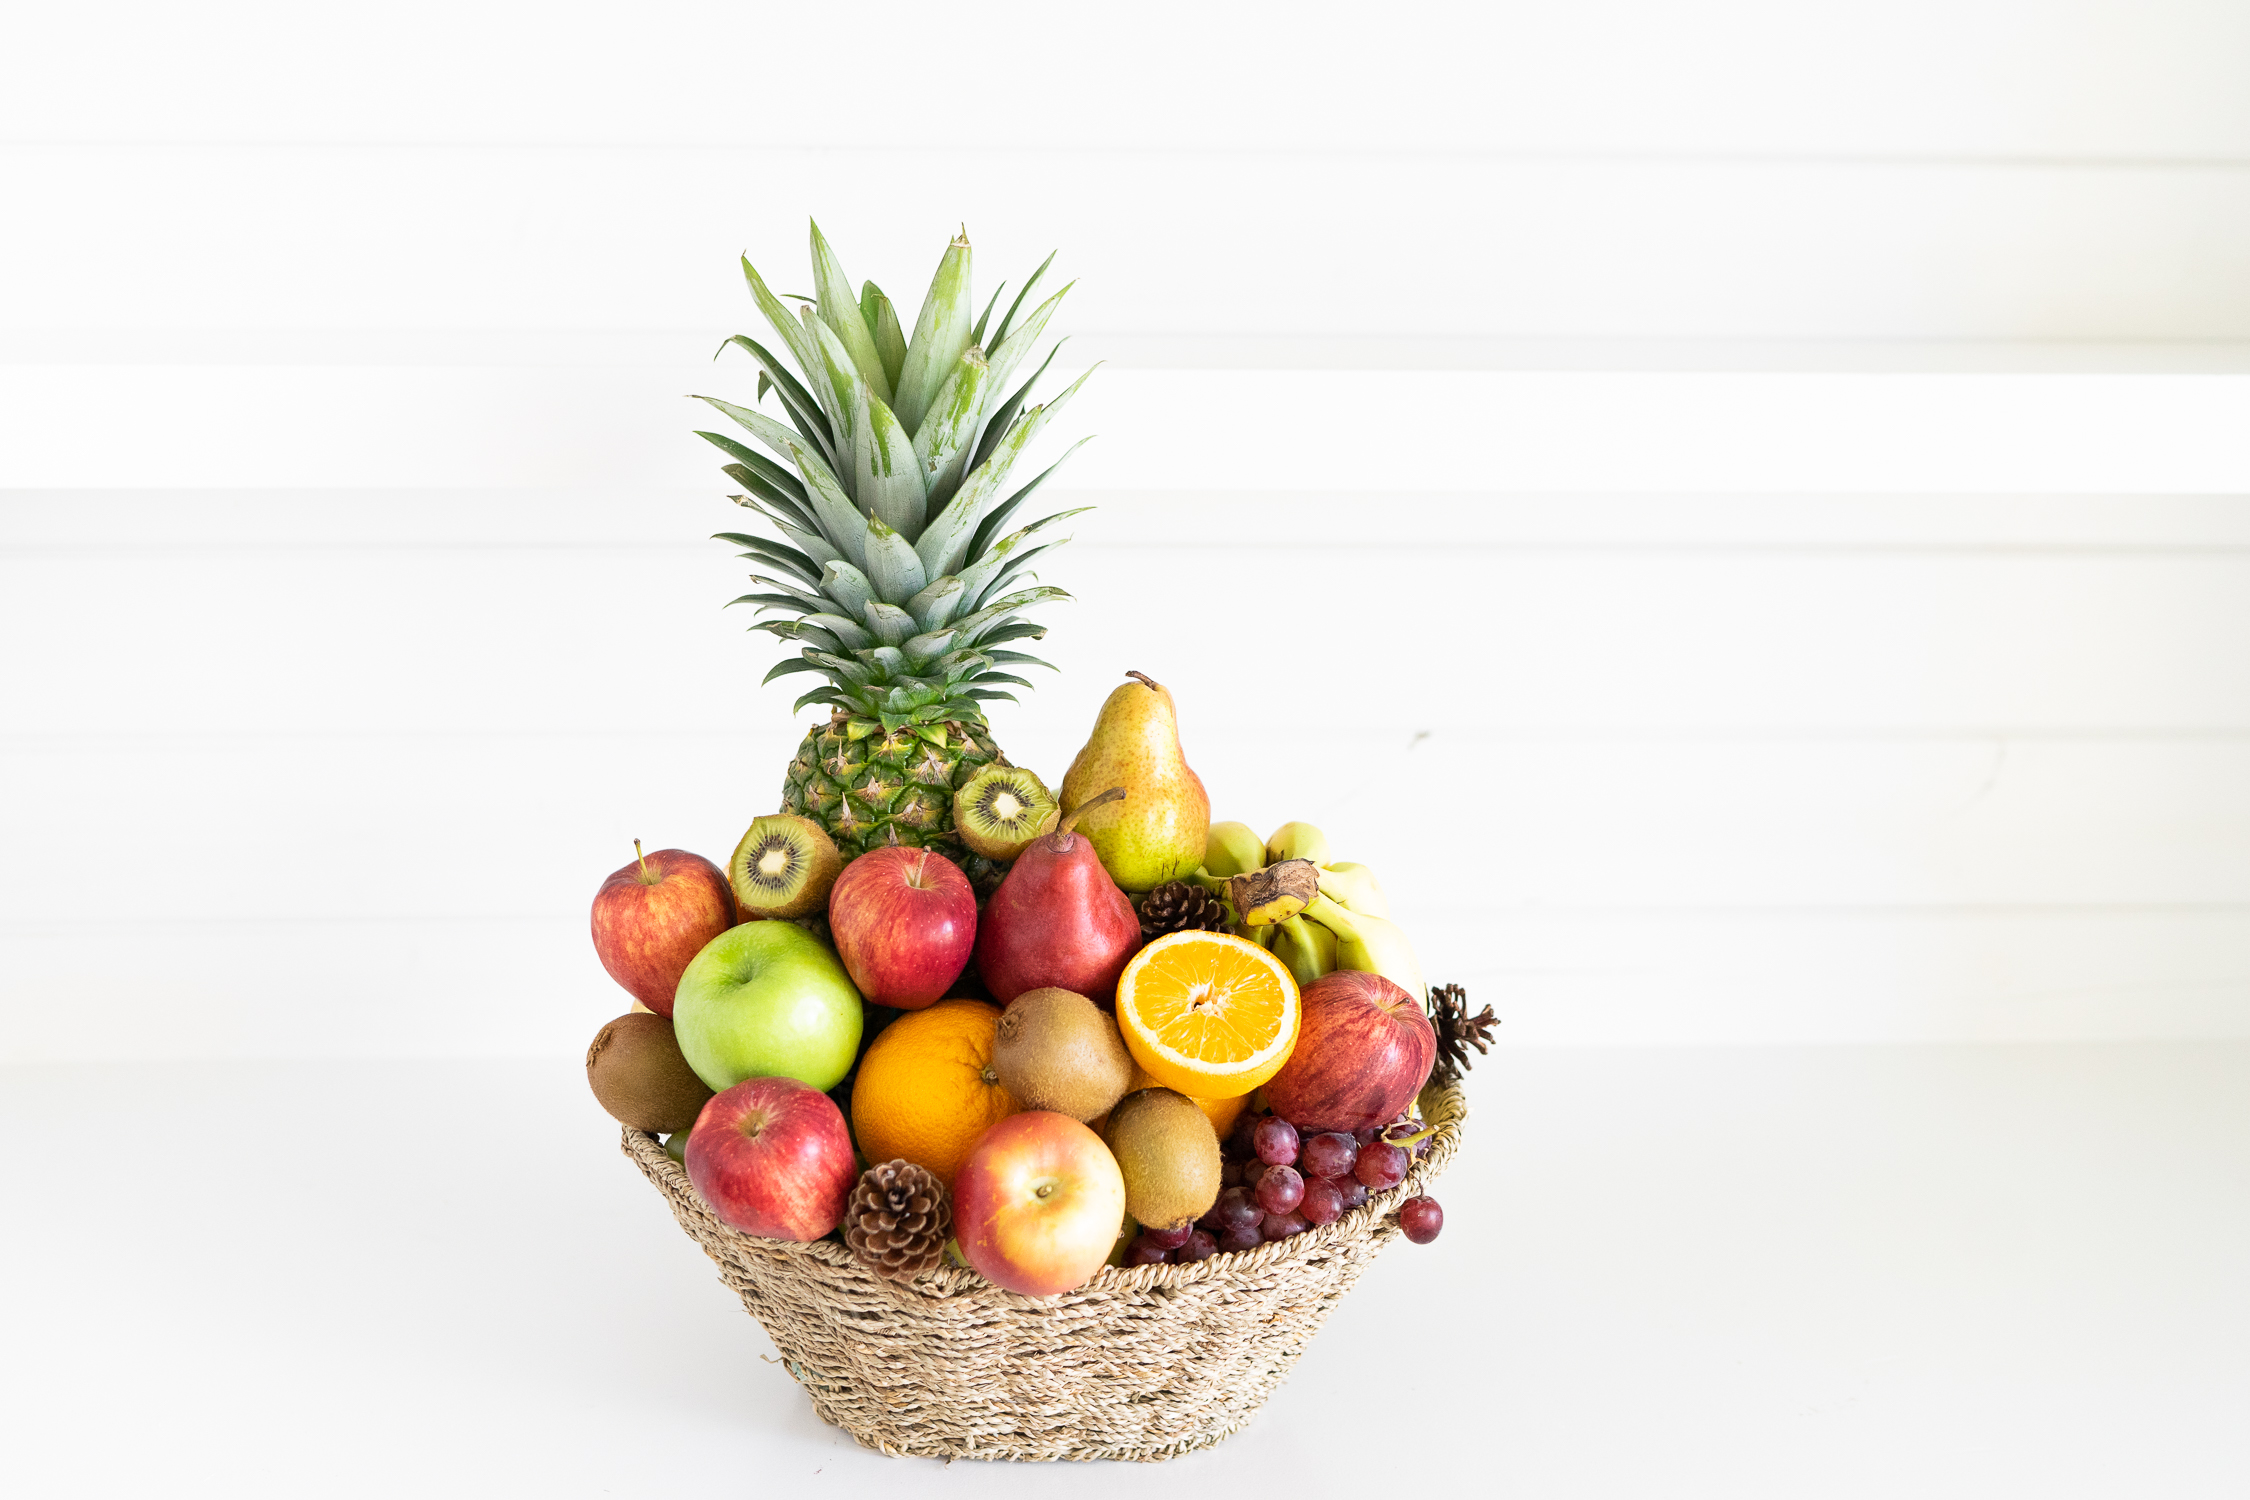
x=646, y=878
x=1062, y=830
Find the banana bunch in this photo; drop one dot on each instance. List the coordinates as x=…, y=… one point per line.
x=1316, y=913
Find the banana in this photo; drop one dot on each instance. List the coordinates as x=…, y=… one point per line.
x=1232, y=849
x=1297, y=841
x=1353, y=887
x=1370, y=945
x=1275, y=893
x=1308, y=948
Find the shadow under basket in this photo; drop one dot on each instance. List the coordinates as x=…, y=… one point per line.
x=1136, y=1364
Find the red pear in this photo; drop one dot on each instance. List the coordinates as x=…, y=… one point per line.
x=1058, y=919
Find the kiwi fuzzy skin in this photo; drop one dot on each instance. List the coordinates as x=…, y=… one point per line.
x=637, y=1073
x=1168, y=1155
x=1055, y=1049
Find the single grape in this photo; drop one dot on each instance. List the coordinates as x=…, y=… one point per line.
x=1230, y=1173
x=1142, y=1253
x=1367, y=1133
x=1281, y=1226
x=1330, y=1154
x=1199, y=1246
x=1354, y=1191
x=1241, y=1141
x=1275, y=1141
x=1323, y=1202
x=1381, y=1165
x=1280, y=1190
x=1235, y=1241
x=1167, y=1239
x=1252, y=1170
x=1236, y=1209
x=1421, y=1218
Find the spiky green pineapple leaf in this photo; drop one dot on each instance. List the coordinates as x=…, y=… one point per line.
x=891, y=625
x=996, y=426
x=882, y=322
x=787, y=325
x=1017, y=305
x=803, y=409
x=1016, y=345
x=892, y=565
x=784, y=602
x=941, y=332
x=847, y=585
x=982, y=541
x=854, y=635
x=840, y=520
x=946, y=540
x=976, y=334
x=788, y=665
x=840, y=311
x=788, y=559
x=1018, y=659
x=935, y=604
x=825, y=695
x=943, y=441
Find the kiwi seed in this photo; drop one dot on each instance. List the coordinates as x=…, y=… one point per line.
x=783, y=867
x=1002, y=808
x=640, y=1077
x=1168, y=1155
x=1058, y=1050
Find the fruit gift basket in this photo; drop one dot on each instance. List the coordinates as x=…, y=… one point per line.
x=1029, y=1124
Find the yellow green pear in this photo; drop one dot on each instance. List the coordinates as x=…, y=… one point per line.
x=1156, y=833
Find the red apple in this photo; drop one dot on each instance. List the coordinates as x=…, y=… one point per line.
x=654, y=915
x=1364, y=1049
x=772, y=1157
x=1038, y=1203
x=905, y=922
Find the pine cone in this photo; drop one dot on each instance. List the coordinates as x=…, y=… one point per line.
x=1176, y=906
x=898, y=1220
x=1457, y=1031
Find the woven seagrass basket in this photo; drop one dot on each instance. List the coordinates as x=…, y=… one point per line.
x=1141, y=1364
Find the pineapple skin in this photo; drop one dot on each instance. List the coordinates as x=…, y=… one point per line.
x=872, y=788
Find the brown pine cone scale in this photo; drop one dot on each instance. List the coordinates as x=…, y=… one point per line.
x=1176, y=906
x=898, y=1220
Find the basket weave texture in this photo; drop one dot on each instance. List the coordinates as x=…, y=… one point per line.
x=1141, y=1363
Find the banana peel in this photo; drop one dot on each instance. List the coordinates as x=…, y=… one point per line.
x=1370, y=945
x=1275, y=893
x=1232, y=849
x=1353, y=887
x=1297, y=841
x=1308, y=948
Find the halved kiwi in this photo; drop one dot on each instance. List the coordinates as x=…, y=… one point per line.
x=783, y=867
x=1001, y=809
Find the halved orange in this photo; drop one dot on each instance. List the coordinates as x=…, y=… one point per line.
x=1207, y=1013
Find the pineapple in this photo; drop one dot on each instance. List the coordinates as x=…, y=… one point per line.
x=893, y=573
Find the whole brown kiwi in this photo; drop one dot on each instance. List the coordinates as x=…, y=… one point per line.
x=1056, y=1049
x=638, y=1074
x=1168, y=1155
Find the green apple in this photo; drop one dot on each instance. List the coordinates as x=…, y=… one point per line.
x=766, y=1000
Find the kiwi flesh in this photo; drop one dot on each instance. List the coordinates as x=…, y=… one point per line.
x=1168, y=1155
x=1002, y=808
x=783, y=867
x=1056, y=1049
x=638, y=1074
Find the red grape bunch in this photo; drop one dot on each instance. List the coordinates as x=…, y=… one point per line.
x=1275, y=1182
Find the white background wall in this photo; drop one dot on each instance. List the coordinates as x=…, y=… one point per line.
x=1736, y=510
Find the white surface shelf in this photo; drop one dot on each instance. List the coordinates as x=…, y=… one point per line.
x=1944, y=1272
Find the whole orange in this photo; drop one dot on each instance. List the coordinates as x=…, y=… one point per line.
x=926, y=1090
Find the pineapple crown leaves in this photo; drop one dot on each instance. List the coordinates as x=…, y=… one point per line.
x=884, y=476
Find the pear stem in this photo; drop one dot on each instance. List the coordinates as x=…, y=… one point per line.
x=1147, y=681
x=1062, y=830
x=646, y=878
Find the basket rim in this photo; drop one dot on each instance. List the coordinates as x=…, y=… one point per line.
x=1449, y=1113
